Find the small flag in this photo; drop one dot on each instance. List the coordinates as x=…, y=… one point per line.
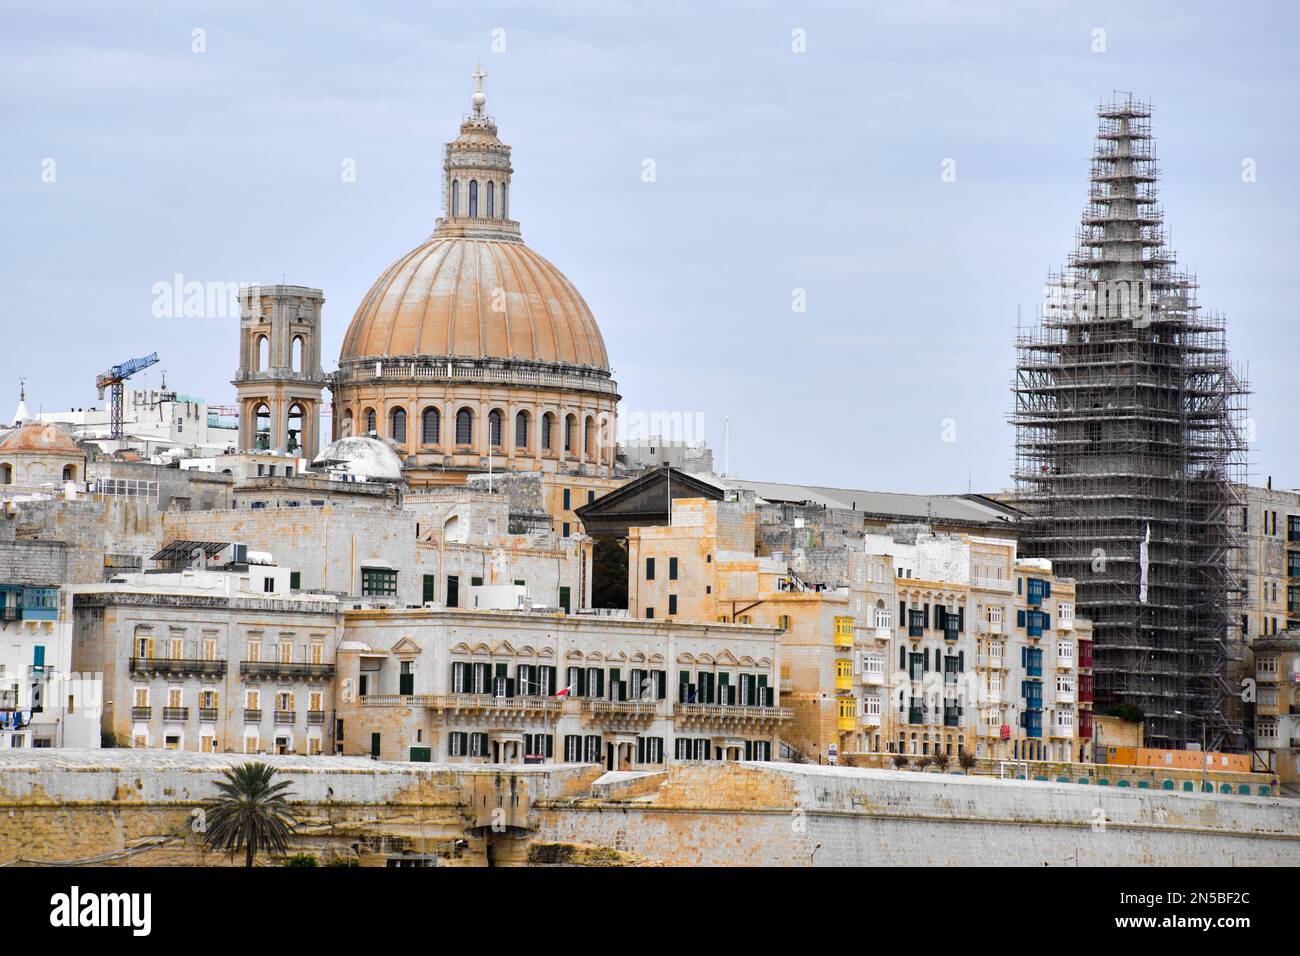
x=566, y=692
x=1143, y=547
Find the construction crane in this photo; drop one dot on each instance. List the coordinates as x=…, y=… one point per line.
x=112, y=380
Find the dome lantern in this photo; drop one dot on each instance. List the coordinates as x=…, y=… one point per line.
x=476, y=176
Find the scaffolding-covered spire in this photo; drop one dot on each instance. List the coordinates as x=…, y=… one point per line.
x=1130, y=449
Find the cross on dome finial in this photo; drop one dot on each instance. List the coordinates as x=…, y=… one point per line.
x=479, y=99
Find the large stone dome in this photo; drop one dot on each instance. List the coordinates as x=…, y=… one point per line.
x=471, y=352
x=475, y=298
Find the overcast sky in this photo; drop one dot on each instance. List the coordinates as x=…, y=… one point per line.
x=775, y=170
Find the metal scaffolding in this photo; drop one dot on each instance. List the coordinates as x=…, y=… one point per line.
x=1129, y=441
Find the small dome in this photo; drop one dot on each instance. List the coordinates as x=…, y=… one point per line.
x=40, y=438
x=364, y=457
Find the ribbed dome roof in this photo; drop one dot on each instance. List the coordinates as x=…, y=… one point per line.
x=40, y=438
x=441, y=299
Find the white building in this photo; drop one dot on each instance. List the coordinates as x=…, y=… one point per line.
x=154, y=422
x=42, y=702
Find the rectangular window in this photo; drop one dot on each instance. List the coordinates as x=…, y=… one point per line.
x=378, y=582
x=649, y=569
x=572, y=748
x=453, y=591
x=672, y=569
x=567, y=504
x=429, y=594
x=672, y=604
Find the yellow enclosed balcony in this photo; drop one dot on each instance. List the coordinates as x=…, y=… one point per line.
x=848, y=719
x=844, y=632
x=843, y=675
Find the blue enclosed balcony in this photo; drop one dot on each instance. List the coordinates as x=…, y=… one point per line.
x=28, y=604
x=40, y=604
x=1037, y=590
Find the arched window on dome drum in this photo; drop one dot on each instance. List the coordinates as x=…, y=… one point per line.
x=494, y=428
x=548, y=432
x=431, y=426
x=6, y=474
x=455, y=198
x=589, y=437
x=570, y=430
x=397, y=425
x=521, y=430
x=491, y=200
x=298, y=346
x=464, y=427
x=505, y=202
x=370, y=420
x=473, y=198
x=346, y=430
x=263, y=353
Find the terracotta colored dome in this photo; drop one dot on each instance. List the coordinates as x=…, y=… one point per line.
x=40, y=438
x=442, y=299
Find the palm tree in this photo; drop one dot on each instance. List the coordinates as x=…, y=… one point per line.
x=252, y=812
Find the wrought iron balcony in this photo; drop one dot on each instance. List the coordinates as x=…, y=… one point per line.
x=177, y=665
x=141, y=713
x=315, y=716
x=252, y=716
x=285, y=716
x=208, y=714
x=176, y=713
x=283, y=669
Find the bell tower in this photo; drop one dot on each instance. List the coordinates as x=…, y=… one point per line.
x=279, y=380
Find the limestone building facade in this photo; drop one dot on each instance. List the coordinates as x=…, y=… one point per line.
x=1276, y=730
x=506, y=687
x=910, y=642
x=226, y=660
